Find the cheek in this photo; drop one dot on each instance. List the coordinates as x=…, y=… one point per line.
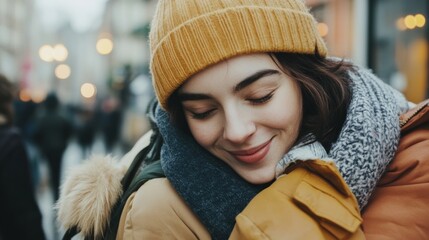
x=286, y=122
x=291, y=103
x=205, y=133
x=285, y=114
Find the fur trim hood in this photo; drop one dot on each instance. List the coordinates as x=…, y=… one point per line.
x=89, y=193
x=91, y=189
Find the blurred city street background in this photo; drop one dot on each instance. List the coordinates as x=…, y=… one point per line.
x=93, y=55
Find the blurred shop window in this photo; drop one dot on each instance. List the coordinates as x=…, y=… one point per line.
x=335, y=24
x=398, y=45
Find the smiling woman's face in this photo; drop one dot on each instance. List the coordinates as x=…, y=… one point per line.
x=246, y=111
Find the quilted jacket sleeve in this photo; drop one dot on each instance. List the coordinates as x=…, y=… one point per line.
x=310, y=202
x=399, y=206
x=156, y=211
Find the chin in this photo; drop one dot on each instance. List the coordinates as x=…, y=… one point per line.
x=257, y=178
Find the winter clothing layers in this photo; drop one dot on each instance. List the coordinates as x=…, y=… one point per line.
x=366, y=144
x=188, y=36
x=327, y=210
x=388, y=215
x=169, y=216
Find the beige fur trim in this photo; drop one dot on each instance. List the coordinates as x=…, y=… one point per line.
x=88, y=194
x=91, y=188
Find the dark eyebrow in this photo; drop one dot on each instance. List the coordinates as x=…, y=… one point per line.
x=256, y=76
x=246, y=82
x=192, y=96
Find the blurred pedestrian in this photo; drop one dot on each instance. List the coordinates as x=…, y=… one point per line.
x=51, y=135
x=85, y=128
x=111, y=116
x=24, y=115
x=20, y=216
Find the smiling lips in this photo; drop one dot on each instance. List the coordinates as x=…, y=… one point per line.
x=252, y=155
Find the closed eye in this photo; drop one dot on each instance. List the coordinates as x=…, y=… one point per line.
x=261, y=100
x=201, y=116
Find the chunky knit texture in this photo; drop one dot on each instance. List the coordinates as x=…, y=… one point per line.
x=189, y=35
x=368, y=139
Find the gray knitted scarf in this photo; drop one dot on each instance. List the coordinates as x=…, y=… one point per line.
x=216, y=194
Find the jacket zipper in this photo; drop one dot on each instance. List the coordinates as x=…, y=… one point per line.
x=402, y=122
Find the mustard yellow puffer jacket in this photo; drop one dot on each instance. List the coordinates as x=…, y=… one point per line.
x=311, y=201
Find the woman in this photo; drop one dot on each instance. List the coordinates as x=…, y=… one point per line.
x=264, y=136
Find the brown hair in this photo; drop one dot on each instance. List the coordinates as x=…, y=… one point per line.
x=325, y=92
x=6, y=98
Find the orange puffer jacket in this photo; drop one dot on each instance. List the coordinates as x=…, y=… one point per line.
x=399, y=207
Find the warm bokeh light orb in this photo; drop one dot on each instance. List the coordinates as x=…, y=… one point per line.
x=62, y=71
x=46, y=53
x=104, y=46
x=24, y=95
x=38, y=95
x=420, y=20
x=410, y=21
x=323, y=29
x=60, y=52
x=88, y=90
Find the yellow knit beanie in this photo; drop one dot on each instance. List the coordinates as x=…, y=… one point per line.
x=189, y=35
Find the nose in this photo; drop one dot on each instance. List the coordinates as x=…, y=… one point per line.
x=238, y=127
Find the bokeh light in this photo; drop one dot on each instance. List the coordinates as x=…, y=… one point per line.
x=46, y=53
x=323, y=29
x=60, y=52
x=38, y=95
x=24, y=95
x=104, y=46
x=88, y=90
x=62, y=71
x=420, y=20
x=410, y=21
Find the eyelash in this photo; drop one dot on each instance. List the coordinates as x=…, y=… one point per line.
x=264, y=99
x=254, y=101
x=203, y=115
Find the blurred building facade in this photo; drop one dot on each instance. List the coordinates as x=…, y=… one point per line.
x=13, y=32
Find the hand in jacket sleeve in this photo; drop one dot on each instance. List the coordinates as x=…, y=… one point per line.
x=311, y=201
